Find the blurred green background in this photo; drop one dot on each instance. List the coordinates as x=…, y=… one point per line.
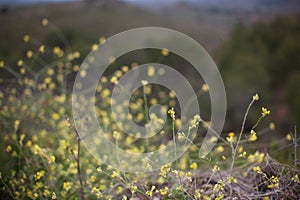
x=255, y=44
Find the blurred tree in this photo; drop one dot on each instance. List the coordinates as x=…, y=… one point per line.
x=263, y=58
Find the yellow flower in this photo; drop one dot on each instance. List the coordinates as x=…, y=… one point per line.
x=164, y=170
x=171, y=112
x=125, y=68
x=1, y=63
x=296, y=178
x=42, y=49
x=265, y=111
x=22, y=70
x=220, y=149
x=150, y=193
x=272, y=126
x=133, y=188
x=219, y=186
x=26, y=38
x=231, y=137
x=216, y=168
x=29, y=54
x=8, y=148
x=82, y=73
x=164, y=191
x=195, y=121
x=256, y=97
x=114, y=80
x=67, y=185
x=257, y=169
x=55, y=116
x=39, y=175
x=57, y=51
x=20, y=63
x=144, y=82
x=36, y=149
x=165, y=52
x=197, y=194
x=204, y=88
x=116, y=135
x=102, y=40
x=194, y=165
x=289, y=137
x=51, y=159
x=94, y=47
x=151, y=71
x=45, y=22
x=17, y=124
x=253, y=136
x=53, y=195
x=231, y=179
x=256, y=157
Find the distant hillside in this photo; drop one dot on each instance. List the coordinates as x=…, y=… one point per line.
x=82, y=23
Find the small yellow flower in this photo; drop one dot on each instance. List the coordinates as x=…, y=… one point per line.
x=55, y=116
x=257, y=169
x=231, y=179
x=150, y=193
x=114, y=80
x=45, y=21
x=289, y=137
x=216, y=168
x=265, y=111
x=231, y=137
x=67, y=185
x=194, y=165
x=171, y=112
x=17, y=124
x=144, y=82
x=220, y=149
x=133, y=188
x=256, y=157
x=205, y=88
x=116, y=135
x=102, y=40
x=165, y=52
x=253, y=136
x=8, y=148
x=26, y=38
x=29, y=54
x=42, y=49
x=272, y=126
x=53, y=195
x=197, y=194
x=39, y=175
x=164, y=170
x=219, y=186
x=125, y=68
x=296, y=178
x=94, y=47
x=151, y=71
x=195, y=121
x=51, y=159
x=82, y=73
x=1, y=63
x=20, y=63
x=57, y=51
x=164, y=191
x=256, y=97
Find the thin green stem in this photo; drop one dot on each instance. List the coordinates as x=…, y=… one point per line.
x=174, y=137
x=10, y=193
